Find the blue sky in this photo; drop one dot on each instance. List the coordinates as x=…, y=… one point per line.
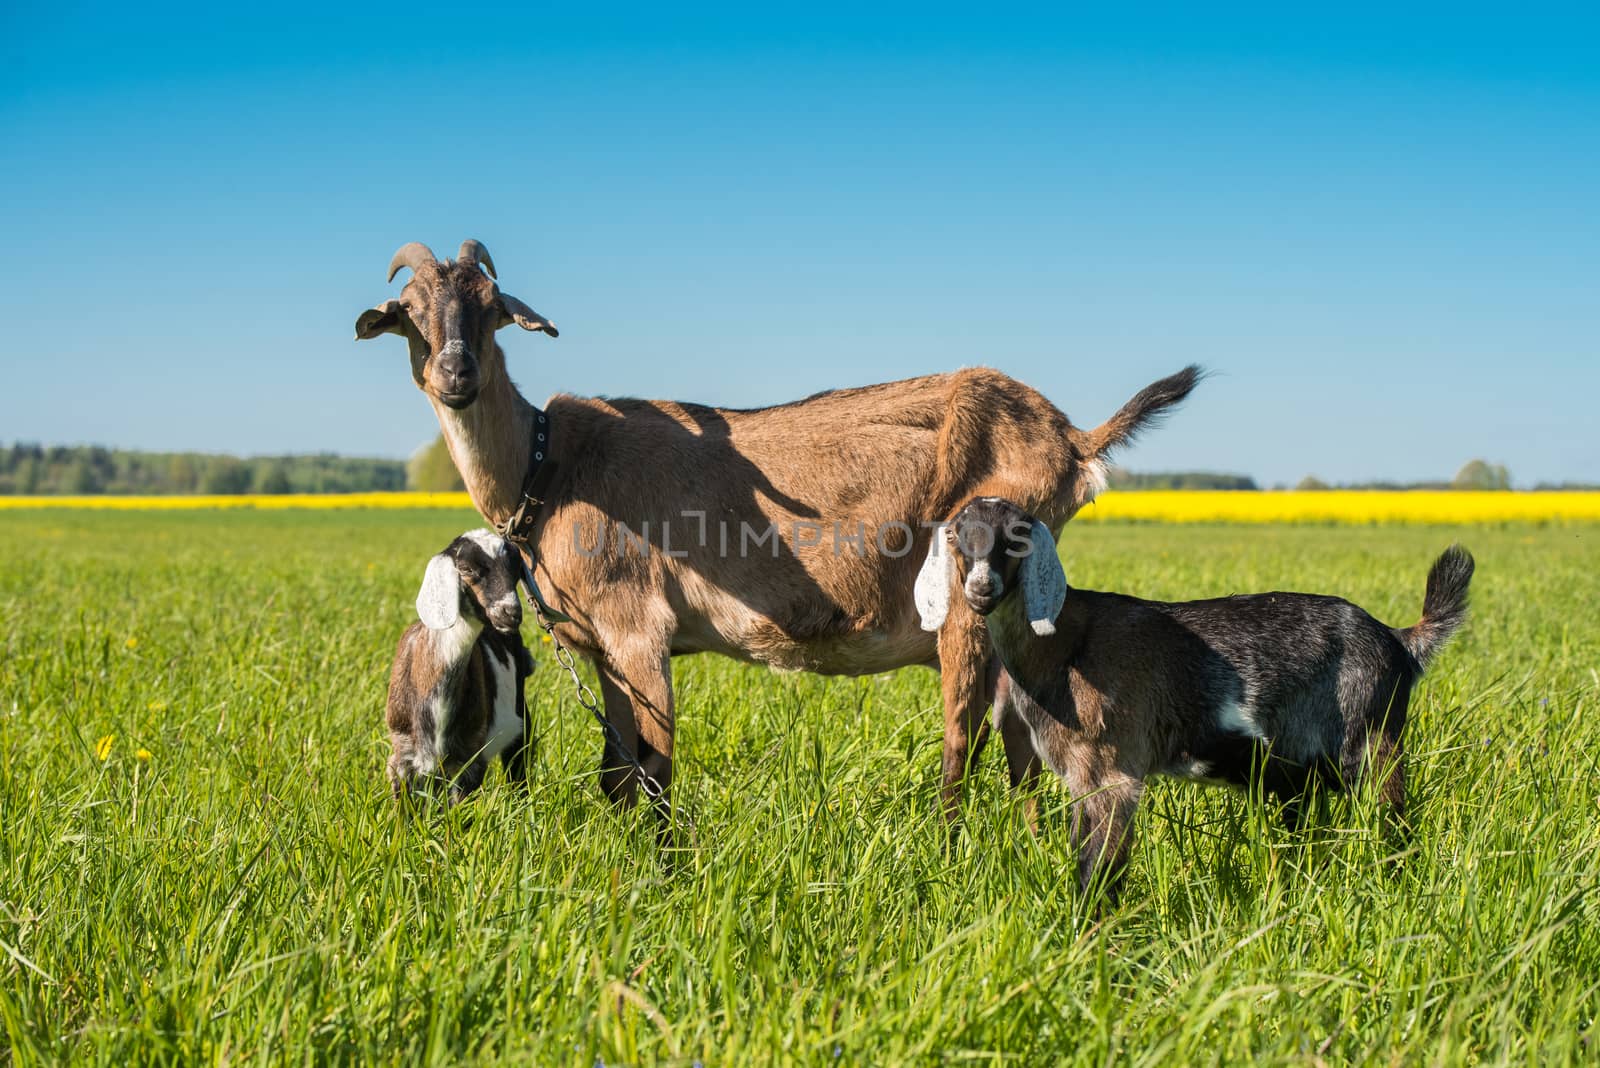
x=1380, y=229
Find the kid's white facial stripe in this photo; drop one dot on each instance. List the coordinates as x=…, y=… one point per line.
x=487, y=540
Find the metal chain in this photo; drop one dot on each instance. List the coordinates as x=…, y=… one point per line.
x=652, y=788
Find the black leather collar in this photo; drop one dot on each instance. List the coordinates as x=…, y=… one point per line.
x=518, y=528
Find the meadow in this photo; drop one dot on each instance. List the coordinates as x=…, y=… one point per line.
x=199, y=860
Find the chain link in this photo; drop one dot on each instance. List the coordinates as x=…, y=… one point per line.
x=652, y=788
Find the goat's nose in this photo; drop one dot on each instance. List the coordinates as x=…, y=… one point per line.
x=455, y=358
x=983, y=583
x=507, y=614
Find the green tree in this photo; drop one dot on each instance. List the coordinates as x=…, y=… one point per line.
x=225, y=475
x=271, y=476
x=1311, y=483
x=81, y=477
x=181, y=474
x=431, y=470
x=28, y=475
x=1482, y=475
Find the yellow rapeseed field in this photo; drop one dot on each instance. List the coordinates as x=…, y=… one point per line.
x=1152, y=506
x=1344, y=507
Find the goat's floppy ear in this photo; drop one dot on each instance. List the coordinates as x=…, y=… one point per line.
x=524, y=316
x=933, y=582
x=439, y=600
x=1044, y=582
x=384, y=319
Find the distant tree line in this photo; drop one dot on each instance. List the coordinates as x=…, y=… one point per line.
x=89, y=469
x=1122, y=478
x=1474, y=475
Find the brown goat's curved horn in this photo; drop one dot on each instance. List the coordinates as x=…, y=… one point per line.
x=472, y=251
x=413, y=255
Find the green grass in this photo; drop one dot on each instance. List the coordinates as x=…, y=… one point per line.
x=249, y=894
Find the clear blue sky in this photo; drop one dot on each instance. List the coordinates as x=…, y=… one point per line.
x=1381, y=229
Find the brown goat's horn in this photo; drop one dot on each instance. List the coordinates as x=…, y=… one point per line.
x=413, y=255
x=472, y=251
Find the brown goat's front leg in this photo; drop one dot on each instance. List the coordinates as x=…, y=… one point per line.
x=637, y=689
x=1022, y=762
x=963, y=674
x=616, y=778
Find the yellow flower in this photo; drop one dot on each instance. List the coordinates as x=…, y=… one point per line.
x=102, y=748
x=545, y=638
x=157, y=706
x=143, y=756
x=132, y=643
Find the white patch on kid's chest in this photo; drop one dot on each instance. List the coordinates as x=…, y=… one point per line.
x=505, y=726
x=451, y=644
x=431, y=762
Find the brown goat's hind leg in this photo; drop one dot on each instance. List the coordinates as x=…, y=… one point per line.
x=963, y=675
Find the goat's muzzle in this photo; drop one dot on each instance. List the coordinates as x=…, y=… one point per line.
x=983, y=588
x=455, y=375
x=505, y=616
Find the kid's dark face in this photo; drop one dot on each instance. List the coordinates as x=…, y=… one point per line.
x=990, y=538
x=490, y=570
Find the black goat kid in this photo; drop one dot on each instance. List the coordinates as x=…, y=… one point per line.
x=1292, y=687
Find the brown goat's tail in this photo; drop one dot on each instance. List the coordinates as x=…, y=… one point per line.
x=1147, y=408
x=1444, y=606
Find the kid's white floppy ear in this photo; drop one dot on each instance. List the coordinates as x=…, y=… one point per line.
x=933, y=582
x=439, y=600
x=1044, y=582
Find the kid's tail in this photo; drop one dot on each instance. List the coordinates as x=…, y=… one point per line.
x=1444, y=606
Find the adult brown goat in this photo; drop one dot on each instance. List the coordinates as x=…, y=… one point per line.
x=789, y=536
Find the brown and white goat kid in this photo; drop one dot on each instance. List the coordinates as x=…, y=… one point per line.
x=455, y=691
x=1291, y=687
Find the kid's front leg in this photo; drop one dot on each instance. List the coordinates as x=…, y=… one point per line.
x=1102, y=832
